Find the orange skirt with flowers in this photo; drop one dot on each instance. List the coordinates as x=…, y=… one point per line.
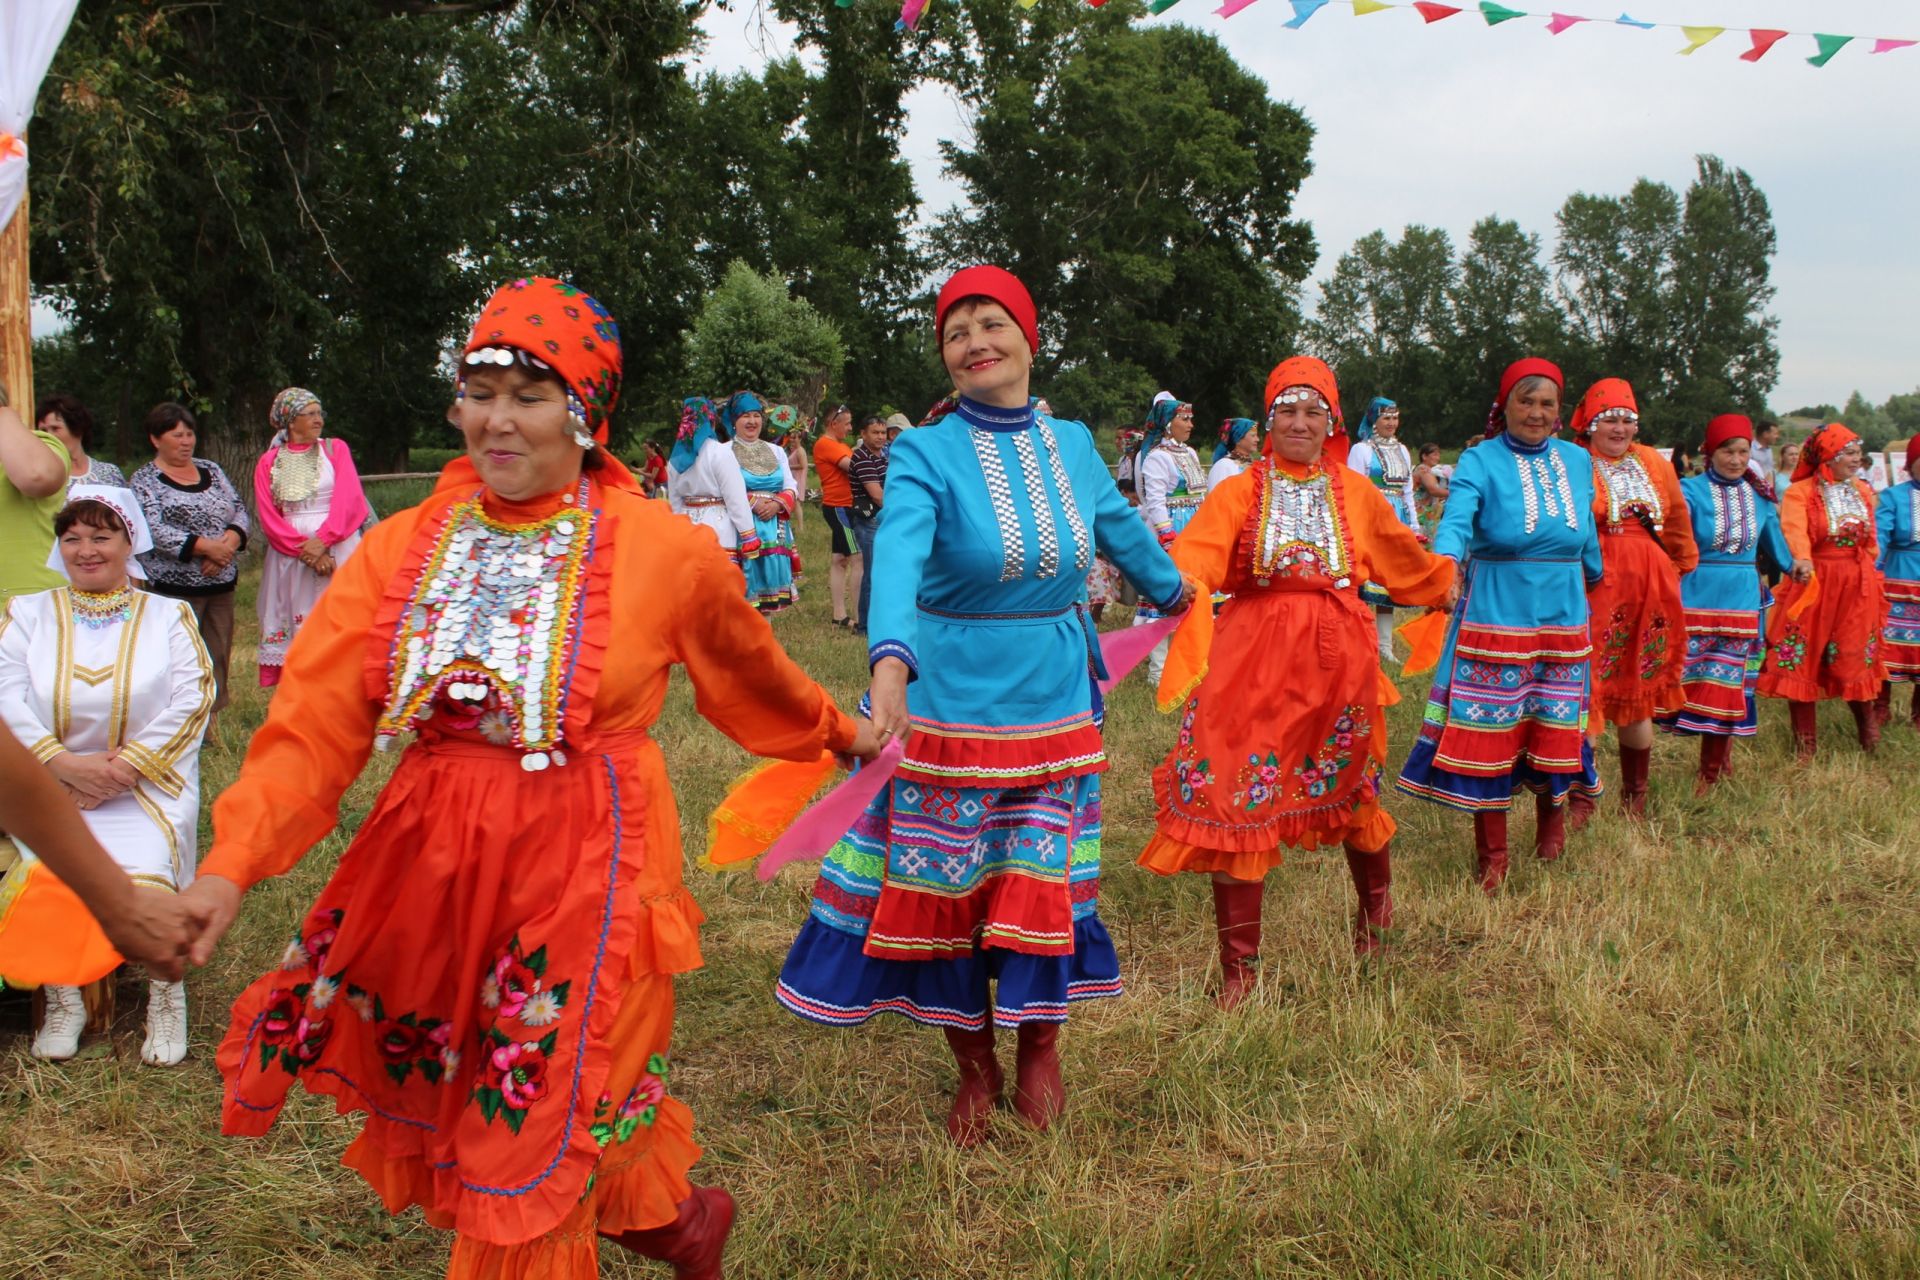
x=482, y=981
x=1282, y=743
x=1830, y=647
x=1639, y=628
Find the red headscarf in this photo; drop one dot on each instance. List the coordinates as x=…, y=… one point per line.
x=1913, y=453
x=1820, y=450
x=1531, y=367
x=1603, y=396
x=1305, y=371
x=998, y=285
x=565, y=330
x=1728, y=426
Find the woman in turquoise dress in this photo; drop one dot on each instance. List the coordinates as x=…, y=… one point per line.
x=1725, y=597
x=772, y=495
x=979, y=863
x=1509, y=702
x=1897, y=522
x=1380, y=456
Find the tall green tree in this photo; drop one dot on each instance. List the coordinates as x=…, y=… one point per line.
x=1141, y=183
x=1723, y=350
x=1384, y=318
x=1502, y=308
x=752, y=335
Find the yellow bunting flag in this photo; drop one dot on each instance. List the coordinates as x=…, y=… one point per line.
x=1699, y=37
x=1361, y=7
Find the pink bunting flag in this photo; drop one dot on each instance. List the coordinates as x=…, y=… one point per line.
x=1434, y=12
x=910, y=12
x=1888, y=46
x=1231, y=7
x=1764, y=38
x=1561, y=21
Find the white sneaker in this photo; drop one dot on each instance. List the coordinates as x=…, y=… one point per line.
x=66, y=1018
x=166, y=1044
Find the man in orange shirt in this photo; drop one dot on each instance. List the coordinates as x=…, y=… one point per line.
x=833, y=459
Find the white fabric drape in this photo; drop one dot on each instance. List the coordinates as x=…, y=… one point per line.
x=30, y=32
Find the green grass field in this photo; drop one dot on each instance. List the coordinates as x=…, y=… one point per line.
x=1691, y=1048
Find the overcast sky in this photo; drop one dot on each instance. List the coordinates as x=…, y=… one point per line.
x=1447, y=123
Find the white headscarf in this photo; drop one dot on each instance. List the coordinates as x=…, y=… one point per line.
x=127, y=507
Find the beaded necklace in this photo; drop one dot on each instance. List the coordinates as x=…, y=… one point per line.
x=1193, y=481
x=1735, y=531
x=1299, y=529
x=1396, y=464
x=1006, y=513
x=1543, y=479
x=1913, y=513
x=1844, y=506
x=492, y=620
x=755, y=457
x=296, y=474
x=1630, y=490
x=95, y=610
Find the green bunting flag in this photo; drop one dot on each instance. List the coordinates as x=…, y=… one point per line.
x=1829, y=45
x=1495, y=14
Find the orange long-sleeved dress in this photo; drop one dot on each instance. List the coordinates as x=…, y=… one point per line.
x=1639, y=622
x=1283, y=735
x=487, y=976
x=1823, y=637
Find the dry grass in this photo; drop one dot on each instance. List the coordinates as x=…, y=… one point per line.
x=1689, y=1049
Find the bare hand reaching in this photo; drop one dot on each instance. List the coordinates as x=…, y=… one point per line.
x=213, y=902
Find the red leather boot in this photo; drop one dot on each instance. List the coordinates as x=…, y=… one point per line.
x=693, y=1241
x=1635, y=764
x=1236, y=918
x=1372, y=880
x=1913, y=711
x=1866, y=723
x=1549, y=829
x=1580, y=809
x=1039, y=1095
x=1883, y=703
x=1805, y=736
x=980, y=1083
x=1714, y=750
x=1490, y=849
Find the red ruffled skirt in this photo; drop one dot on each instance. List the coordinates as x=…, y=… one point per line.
x=1282, y=743
x=486, y=980
x=1832, y=649
x=1639, y=628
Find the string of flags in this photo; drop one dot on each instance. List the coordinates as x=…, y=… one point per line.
x=1760, y=39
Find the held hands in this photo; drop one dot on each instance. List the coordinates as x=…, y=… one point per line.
x=867, y=743
x=1453, y=597
x=888, y=695
x=211, y=902
x=1802, y=571
x=155, y=928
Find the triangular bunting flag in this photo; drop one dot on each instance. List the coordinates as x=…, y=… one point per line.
x=1302, y=10
x=1434, y=12
x=1561, y=21
x=1230, y=8
x=1495, y=14
x=1699, y=37
x=1624, y=21
x=1879, y=46
x=1764, y=38
x=1158, y=6
x=1363, y=7
x=910, y=13
x=1829, y=45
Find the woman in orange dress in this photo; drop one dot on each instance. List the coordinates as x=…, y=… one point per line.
x=1639, y=623
x=1823, y=637
x=488, y=974
x=1284, y=733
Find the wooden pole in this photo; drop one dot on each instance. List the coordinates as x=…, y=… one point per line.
x=16, y=314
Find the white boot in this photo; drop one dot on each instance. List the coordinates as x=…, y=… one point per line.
x=166, y=1042
x=1383, y=627
x=59, y=1037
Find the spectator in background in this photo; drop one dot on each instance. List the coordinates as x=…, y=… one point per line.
x=653, y=471
x=1783, y=470
x=33, y=488
x=199, y=529
x=897, y=423
x=1686, y=462
x=307, y=492
x=1429, y=489
x=1765, y=436
x=68, y=421
x=833, y=458
x=868, y=471
x=793, y=438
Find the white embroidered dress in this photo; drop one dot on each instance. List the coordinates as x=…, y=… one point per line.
x=713, y=493
x=141, y=685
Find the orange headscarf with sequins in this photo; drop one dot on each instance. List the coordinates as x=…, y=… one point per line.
x=1604, y=395
x=1306, y=371
x=1820, y=449
x=563, y=328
